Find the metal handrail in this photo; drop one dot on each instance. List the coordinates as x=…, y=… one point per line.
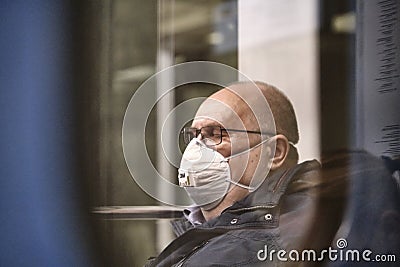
x=137, y=212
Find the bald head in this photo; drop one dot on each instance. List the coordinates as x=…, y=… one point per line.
x=238, y=105
x=280, y=106
x=282, y=110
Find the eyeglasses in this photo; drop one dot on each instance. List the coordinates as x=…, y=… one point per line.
x=211, y=135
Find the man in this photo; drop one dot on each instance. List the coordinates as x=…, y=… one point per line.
x=252, y=197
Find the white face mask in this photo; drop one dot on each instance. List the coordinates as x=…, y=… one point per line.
x=206, y=174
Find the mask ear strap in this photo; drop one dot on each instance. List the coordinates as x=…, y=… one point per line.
x=250, y=149
x=250, y=188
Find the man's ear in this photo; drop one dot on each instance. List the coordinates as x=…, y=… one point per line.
x=281, y=151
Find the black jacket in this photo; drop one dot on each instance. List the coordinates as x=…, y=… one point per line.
x=276, y=216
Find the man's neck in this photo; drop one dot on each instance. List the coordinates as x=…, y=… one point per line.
x=235, y=194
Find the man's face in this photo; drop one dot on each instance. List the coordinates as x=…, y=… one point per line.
x=227, y=110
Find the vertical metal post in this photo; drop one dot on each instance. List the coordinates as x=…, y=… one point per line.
x=165, y=59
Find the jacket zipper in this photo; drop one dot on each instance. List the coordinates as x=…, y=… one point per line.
x=253, y=208
x=194, y=250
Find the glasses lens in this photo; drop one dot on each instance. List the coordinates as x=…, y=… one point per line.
x=188, y=134
x=211, y=135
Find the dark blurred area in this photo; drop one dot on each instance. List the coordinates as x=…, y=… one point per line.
x=337, y=61
x=44, y=168
x=358, y=201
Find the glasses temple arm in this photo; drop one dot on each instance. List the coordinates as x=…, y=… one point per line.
x=246, y=131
